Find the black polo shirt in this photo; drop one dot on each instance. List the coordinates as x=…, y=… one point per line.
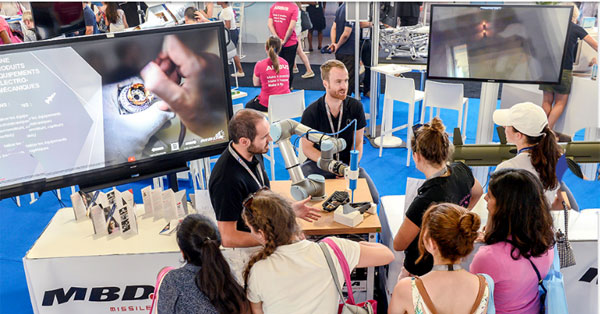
x=454, y=188
x=230, y=184
x=315, y=116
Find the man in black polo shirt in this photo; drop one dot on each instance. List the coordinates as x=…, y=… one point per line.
x=238, y=173
x=330, y=114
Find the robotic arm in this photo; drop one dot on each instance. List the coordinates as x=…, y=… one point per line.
x=314, y=185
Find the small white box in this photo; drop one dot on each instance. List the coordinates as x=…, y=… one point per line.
x=79, y=208
x=347, y=216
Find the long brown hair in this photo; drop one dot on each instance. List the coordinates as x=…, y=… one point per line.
x=431, y=142
x=273, y=215
x=544, y=156
x=453, y=228
x=273, y=47
x=111, y=12
x=199, y=241
x=522, y=214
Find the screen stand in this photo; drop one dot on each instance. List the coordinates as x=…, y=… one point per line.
x=488, y=102
x=172, y=178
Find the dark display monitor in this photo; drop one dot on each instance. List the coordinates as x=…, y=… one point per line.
x=505, y=43
x=76, y=111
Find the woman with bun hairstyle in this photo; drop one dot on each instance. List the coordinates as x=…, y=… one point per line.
x=518, y=235
x=447, y=233
x=271, y=74
x=526, y=126
x=291, y=274
x=445, y=183
x=205, y=283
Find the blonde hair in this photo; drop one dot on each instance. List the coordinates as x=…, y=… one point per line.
x=328, y=65
x=27, y=16
x=575, y=13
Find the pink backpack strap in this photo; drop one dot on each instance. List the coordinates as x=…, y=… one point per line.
x=345, y=269
x=161, y=275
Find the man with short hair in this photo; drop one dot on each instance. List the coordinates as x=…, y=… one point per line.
x=238, y=173
x=191, y=16
x=91, y=27
x=342, y=44
x=330, y=114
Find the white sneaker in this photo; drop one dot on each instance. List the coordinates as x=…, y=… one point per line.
x=238, y=74
x=308, y=75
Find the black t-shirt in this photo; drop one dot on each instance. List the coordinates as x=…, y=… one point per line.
x=575, y=34
x=315, y=116
x=454, y=188
x=340, y=24
x=230, y=184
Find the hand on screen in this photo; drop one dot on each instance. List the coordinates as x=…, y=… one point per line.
x=126, y=135
x=191, y=100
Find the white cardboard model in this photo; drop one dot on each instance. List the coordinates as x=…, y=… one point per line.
x=79, y=208
x=349, y=217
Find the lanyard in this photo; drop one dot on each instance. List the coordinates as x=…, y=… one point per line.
x=524, y=149
x=439, y=173
x=239, y=159
x=330, y=118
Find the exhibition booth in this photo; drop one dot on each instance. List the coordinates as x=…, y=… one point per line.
x=80, y=125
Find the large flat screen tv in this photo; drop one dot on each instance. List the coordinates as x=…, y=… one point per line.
x=504, y=43
x=76, y=111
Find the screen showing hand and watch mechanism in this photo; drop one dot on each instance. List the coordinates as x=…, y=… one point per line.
x=71, y=106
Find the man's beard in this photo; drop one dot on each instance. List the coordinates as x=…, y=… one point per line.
x=337, y=95
x=257, y=150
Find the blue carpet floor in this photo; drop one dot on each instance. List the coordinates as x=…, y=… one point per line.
x=22, y=225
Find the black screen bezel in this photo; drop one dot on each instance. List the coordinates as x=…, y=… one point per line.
x=491, y=80
x=128, y=171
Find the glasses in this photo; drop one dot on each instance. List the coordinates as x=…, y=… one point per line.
x=417, y=126
x=248, y=200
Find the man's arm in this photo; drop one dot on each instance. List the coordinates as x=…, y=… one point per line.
x=309, y=150
x=333, y=33
x=272, y=27
x=359, y=142
x=591, y=41
x=231, y=237
x=343, y=38
x=89, y=30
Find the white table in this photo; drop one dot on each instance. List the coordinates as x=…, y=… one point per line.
x=71, y=270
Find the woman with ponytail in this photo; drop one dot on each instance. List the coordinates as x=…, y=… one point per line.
x=445, y=183
x=447, y=233
x=290, y=274
x=205, y=283
x=272, y=74
x=518, y=238
x=526, y=126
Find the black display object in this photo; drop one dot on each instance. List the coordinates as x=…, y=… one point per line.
x=76, y=111
x=498, y=43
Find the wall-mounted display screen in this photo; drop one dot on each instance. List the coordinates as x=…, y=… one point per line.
x=506, y=43
x=76, y=107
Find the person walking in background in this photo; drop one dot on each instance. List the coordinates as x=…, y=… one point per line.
x=519, y=240
x=282, y=24
x=115, y=17
x=28, y=27
x=6, y=34
x=204, y=284
x=408, y=12
x=316, y=12
x=300, y=50
x=448, y=232
x=91, y=27
x=228, y=17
